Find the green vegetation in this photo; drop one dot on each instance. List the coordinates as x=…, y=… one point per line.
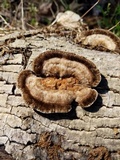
x=111, y=18
x=33, y=12
x=6, y=4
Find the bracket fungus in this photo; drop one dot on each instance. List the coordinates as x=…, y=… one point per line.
x=100, y=38
x=58, y=79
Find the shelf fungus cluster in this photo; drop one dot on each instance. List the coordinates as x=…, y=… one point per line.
x=72, y=25
x=58, y=80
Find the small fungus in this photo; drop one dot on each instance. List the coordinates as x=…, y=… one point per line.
x=58, y=79
x=101, y=38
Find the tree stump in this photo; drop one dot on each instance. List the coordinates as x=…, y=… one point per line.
x=81, y=134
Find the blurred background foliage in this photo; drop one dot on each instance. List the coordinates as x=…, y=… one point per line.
x=37, y=13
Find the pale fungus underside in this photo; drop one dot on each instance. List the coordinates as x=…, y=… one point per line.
x=58, y=79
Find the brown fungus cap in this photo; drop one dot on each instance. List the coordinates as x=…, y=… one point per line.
x=63, y=78
x=101, y=38
x=65, y=64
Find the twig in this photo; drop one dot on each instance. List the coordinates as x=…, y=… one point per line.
x=22, y=15
x=63, y=3
x=56, y=6
x=53, y=14
x=5, y=21
x=16, y=12
x=90, y=9
x=114, y=26
x=30, y=26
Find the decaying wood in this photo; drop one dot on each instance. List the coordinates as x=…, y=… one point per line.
x=79, y=134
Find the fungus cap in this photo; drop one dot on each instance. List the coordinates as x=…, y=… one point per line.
x=65, y=64
x=58, y=79
x=101, y=38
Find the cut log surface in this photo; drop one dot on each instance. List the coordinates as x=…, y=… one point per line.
x=29, y=135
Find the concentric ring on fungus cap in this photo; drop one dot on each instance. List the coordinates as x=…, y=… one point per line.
x=65, y=64
x=59, y=79
x=101, y=38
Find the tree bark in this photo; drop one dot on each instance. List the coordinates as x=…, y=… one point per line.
x=27, y=134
